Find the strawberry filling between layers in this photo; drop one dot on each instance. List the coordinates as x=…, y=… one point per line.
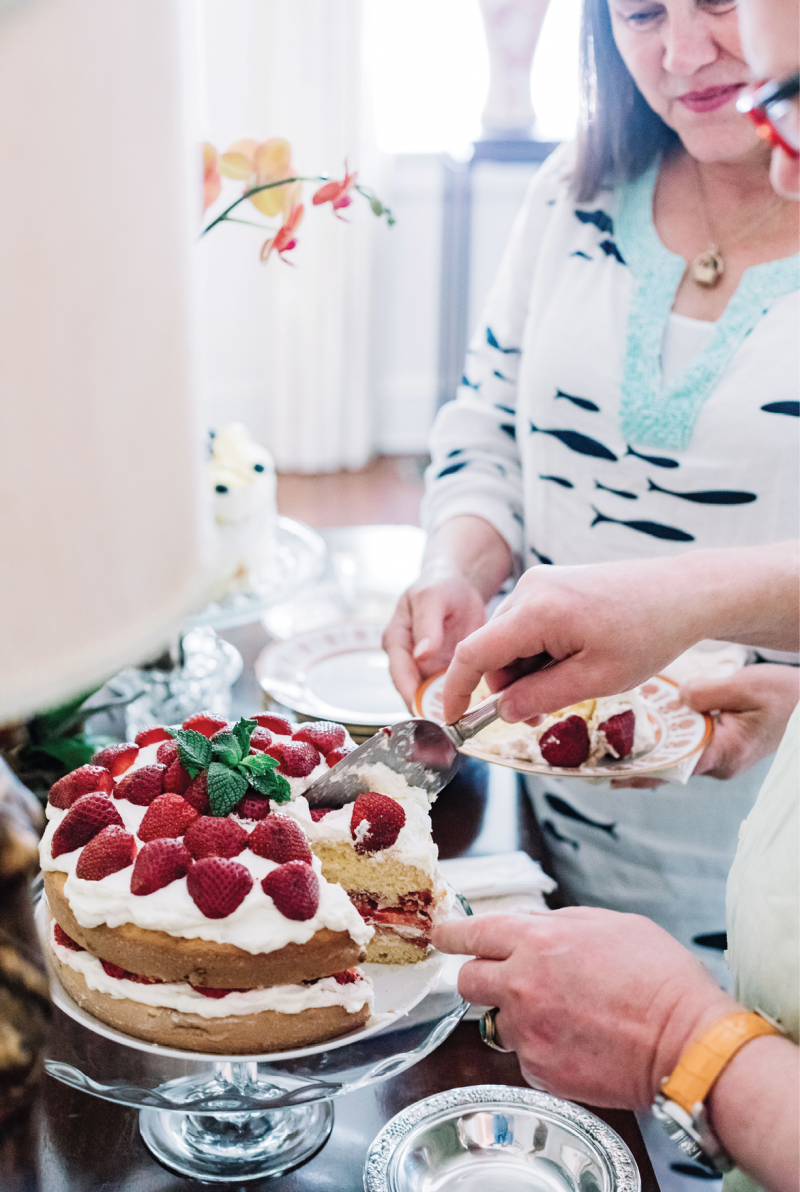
x=410, y=918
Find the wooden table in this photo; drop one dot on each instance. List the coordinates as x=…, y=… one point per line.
x=72, y=1142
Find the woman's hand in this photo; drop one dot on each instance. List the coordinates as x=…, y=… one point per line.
x=430, y=620
x=753, y=706
x=466, y=562
x=597, y=1005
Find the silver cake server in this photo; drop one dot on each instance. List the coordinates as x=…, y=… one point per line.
x=423, y=753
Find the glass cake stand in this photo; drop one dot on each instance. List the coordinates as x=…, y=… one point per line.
x=295, y=560
x=240, y=1118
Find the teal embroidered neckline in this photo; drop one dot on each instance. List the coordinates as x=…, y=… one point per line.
x=650, y=415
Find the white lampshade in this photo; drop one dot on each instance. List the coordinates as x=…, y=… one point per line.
x=103, y=525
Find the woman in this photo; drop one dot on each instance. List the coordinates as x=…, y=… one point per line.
x=630, y=392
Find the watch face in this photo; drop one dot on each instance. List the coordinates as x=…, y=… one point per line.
x=683, y=1132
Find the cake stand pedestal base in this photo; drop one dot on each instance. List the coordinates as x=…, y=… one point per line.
x=239, y=1147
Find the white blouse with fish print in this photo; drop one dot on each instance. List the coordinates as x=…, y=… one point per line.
x=564, y=438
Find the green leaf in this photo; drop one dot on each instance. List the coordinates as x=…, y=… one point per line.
x=225, y=788
x=71, y=751
x=194, y=750
x=226, y=748
x=377, y=206
x=258, y=763
x=243, y=731
x=273, y=785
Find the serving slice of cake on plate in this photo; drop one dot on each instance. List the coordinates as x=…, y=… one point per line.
x=612, y=728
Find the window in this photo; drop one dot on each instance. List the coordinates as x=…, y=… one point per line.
x=429, y=73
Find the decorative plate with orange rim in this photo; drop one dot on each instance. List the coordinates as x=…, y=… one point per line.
x=680, y=734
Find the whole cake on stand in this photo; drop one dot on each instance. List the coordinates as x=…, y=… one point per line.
x=193, y=900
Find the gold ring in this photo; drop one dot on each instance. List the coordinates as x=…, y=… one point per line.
x=488, y=1030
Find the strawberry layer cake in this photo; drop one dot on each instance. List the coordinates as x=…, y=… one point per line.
x=186, y=908
x=613, y=727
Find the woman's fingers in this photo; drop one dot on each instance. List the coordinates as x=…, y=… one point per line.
x=398, y=642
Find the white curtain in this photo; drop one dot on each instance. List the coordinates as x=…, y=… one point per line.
x=287, y=348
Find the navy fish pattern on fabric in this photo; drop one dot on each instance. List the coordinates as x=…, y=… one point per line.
x=658, y=461
x=500, y=377
x=578, y=253
x=505, y=409
x=553, y=831
x=577, y=442
x=618, y=492
x=542, y=558
x=603, y=222
x=566, y=809
x=492, y=342
x=583, y=402
x=509, y=429
x=708, y=497
x=654, y=529
x=458, y=451
x=792, y=408
x=562, y=480
x=470, y=385
x=611, y=250
x=713, y=939
x=695, y=1171
x=452, y=469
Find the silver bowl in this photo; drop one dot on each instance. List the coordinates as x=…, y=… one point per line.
x=495, y=1138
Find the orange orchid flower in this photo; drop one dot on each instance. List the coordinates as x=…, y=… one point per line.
x=337, y=193
x=284, y=239
x=212, y=183
x=259, y=164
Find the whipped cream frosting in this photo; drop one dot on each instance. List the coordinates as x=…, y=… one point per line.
x=414, y=845
x=255, y=926
x=286, y=999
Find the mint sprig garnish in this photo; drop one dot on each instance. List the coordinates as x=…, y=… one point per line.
x=227, y=748
x=194, y=750
x=225, y=788
x=273, y=785
x=232, y=769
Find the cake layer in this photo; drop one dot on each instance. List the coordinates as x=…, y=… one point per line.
x=387, y=947
x=205, y=962
x=234, y=1034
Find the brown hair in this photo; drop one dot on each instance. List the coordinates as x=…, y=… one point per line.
x=620, y=134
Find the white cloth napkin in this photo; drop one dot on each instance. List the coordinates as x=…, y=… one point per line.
x=504, y=882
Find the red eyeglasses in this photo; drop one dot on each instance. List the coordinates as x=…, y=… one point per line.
x=773, y=108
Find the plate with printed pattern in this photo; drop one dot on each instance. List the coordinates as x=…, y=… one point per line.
x=680, y=734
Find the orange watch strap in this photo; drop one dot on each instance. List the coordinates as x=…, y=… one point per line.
x=705, y=1058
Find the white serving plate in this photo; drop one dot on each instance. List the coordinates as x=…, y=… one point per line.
x=339, y=673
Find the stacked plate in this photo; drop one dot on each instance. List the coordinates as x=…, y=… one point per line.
x=328, y=663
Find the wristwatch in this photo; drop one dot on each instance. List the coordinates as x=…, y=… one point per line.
x=680, y=1106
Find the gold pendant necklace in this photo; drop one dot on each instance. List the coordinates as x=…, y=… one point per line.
x=708, y=267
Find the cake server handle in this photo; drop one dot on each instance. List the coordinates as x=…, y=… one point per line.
x=486, y=712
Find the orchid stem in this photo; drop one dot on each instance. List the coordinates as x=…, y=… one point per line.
x=255, y=190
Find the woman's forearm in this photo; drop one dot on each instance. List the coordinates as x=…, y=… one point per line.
x=469, y=547
x=754, y=1110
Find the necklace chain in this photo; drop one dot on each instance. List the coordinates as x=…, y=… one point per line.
x=708, y=267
